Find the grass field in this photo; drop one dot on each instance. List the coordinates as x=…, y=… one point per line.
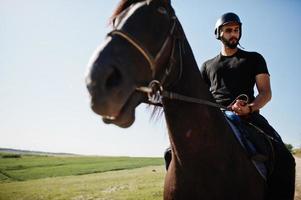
x=142, y=183
x=80, y=178
x=87, y=178
x=29, y=167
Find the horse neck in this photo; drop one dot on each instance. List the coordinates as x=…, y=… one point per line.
x=194, y=129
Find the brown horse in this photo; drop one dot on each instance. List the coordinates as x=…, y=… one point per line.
x=148, y=43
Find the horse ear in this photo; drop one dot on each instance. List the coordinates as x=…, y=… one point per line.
x=166, y=1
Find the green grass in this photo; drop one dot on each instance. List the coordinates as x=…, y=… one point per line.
x=142, y=183
x=36, y=177
x=37, y=167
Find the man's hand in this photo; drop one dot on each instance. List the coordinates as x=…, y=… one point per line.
x=241, y=108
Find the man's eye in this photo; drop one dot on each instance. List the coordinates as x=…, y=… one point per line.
x=229, y=30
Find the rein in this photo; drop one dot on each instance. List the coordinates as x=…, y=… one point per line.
x=155, y=93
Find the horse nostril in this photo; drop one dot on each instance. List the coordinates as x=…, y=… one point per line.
x=114, y=79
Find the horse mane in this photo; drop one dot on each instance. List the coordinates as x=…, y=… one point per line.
x=124, y=4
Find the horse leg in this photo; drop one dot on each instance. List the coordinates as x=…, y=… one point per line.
x=281, y=183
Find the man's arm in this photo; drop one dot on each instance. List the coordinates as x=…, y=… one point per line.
x=264, y=91
x=264, y=96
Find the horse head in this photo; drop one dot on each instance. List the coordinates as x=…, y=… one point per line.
x=140, y=48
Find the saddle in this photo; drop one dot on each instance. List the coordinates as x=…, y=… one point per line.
x=258, y=145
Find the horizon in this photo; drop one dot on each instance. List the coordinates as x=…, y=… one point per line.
x=30, y=152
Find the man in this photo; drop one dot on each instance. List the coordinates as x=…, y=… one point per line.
x=234, y=72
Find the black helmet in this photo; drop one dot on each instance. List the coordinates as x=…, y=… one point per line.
x=225, y=19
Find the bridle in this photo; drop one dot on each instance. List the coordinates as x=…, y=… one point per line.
x=155, y=90
x=153, y=60
x=150, y=59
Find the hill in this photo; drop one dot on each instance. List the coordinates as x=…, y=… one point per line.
x=27, y=152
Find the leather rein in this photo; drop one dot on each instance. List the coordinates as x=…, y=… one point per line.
x=155, y=90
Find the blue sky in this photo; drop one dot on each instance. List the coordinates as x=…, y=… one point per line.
x=45, y=47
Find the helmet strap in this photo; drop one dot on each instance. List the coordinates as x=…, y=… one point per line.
x=240, y=45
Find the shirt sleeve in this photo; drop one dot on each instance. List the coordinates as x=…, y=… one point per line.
x=260, y=65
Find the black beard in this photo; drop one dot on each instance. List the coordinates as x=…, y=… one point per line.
x=228, y=44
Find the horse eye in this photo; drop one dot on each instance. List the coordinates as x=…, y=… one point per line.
x=162, y=10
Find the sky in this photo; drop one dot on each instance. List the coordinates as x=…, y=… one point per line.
x=45, y=47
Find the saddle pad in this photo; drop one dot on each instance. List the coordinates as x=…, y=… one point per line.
x=260, y=166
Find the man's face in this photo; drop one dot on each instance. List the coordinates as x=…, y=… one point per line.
x=229, y=34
